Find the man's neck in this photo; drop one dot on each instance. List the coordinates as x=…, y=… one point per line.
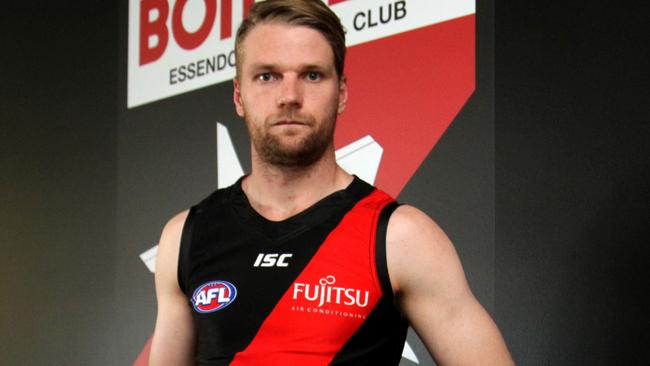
x=278, y=193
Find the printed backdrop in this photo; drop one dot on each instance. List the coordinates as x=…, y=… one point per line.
x=411, y=68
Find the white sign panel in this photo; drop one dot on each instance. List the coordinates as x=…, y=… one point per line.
x=176, y=46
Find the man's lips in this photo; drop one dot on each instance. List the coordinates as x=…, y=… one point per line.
x=289, y=123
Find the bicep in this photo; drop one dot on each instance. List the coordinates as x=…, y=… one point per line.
x=432, y=292
x=173, y=340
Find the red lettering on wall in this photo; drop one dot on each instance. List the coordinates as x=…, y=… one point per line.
x=226, y=19
x=185, y=39
x=247, y=6
x=153, y=28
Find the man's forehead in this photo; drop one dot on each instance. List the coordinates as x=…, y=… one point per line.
x=276, y=43
x=281, y=27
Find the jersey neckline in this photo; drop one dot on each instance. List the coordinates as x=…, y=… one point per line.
x=319, y=211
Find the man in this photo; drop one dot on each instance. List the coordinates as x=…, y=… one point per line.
x=300, y=263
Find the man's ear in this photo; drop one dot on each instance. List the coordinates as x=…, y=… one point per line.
x=236, y=97
x=343, y=94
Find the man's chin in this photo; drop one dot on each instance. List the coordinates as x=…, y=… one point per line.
x=290, y=137
x=291, y=156
x=293, y=151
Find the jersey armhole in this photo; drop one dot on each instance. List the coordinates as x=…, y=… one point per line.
x=183, y=269
x=380, y=248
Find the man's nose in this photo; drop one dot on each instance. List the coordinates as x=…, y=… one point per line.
x=290, y=93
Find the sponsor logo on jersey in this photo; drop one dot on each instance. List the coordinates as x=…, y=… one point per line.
x=213, y=296
x=272, y=260
x=326, y=293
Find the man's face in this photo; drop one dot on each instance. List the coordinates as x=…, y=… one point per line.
x=289, y=93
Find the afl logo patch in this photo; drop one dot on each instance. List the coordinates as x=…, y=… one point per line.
x=213, y=296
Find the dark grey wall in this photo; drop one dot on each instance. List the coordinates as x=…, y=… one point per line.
x=565, y=279
x=57, y=183
x=572, y=174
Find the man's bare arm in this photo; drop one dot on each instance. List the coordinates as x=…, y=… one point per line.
x=173, y=339
x=432, y=292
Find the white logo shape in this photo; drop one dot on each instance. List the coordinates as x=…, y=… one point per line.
x=272, y=260
x=324, y=293
x=329, y=280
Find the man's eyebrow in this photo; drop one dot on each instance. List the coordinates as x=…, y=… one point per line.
x=314, y=67
x=262, y=66
x=304, y=67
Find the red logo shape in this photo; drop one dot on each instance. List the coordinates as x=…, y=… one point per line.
x=405, y=90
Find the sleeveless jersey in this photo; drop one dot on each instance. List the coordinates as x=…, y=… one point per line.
x=310, y=290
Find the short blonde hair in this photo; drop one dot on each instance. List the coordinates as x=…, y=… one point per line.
x=309, y=13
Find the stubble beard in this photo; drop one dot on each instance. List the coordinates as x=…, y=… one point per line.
x=274, y=150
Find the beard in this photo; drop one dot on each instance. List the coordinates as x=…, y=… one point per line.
x=287, y=150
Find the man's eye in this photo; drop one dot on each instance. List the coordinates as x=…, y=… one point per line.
x=265, y=76
x=313, y=76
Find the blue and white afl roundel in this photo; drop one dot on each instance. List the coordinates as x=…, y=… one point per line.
x=213, y=296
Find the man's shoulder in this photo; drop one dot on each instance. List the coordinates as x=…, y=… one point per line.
x=174, y=227
x=411, y=232
x=417, y=247
x=405, y=218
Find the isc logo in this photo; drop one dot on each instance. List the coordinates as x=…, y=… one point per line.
x=213, y=296
x=272, y=260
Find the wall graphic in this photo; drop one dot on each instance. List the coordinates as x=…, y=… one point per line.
x=410, y=66
x=175, y=46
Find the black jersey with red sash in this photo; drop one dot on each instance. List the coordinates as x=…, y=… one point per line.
x=309, y=290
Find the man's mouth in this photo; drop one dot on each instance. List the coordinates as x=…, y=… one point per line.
x=289, y=123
